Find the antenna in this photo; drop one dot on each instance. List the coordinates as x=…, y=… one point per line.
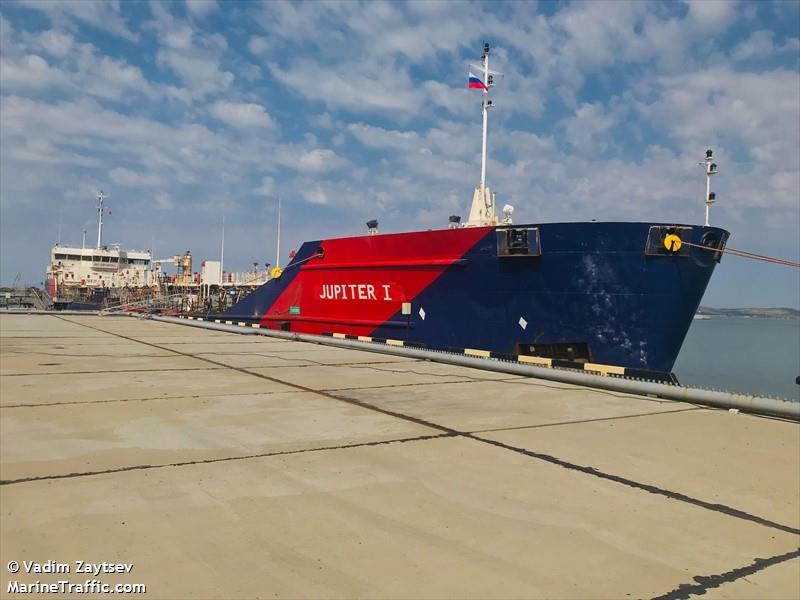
x=222, y=251
x=278, y=251
x=100, y=198
x=711, y=169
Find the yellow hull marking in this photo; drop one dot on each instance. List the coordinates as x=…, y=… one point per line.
x=480, y=353
x=604, y=369
x=535, y=360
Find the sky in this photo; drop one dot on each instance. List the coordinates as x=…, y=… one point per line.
x=183, y=112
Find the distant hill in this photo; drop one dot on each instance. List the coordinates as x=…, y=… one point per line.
x=771, y=313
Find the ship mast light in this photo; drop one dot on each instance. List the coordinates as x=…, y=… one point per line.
x=711, y=170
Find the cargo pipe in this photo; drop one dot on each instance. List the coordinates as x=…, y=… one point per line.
x=728, y=400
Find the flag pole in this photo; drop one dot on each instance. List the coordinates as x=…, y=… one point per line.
x=278, y=250
x=100, y=198
x=485, y=58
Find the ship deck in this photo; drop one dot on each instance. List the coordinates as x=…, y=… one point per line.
x=224, y=465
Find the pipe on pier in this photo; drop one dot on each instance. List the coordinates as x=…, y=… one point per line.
x=719, y=399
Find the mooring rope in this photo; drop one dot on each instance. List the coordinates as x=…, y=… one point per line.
x=745, y=254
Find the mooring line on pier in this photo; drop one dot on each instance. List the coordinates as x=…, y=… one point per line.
x=652, y=489
x=703, y=583
x=208, y=461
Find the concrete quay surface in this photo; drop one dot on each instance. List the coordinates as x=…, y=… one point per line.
x=230, y=466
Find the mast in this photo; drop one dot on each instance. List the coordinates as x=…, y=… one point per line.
x=278, y=251
x=486, y=104
x=711, y=169
x=222, y=251
x=100, y=198
x=482, y=211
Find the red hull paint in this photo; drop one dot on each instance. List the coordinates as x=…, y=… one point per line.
x=349, y=293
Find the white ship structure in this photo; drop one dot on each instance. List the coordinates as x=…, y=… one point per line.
x=81, y=277
x=77, y=273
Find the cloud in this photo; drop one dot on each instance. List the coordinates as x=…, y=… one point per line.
x=126, y=177
x=73, y=67
x=201, y=8
x=760, y=45
x=712, y=17
x=371, y=87
x=746, y=108
x=259, y=45
x=316, y=195
x=267, y=187
x=376, y=137
x=589, y=122
x=163, y=201
x=242, y=116
x=194, y=56
x=55, y=42
x=30, y=72
x=318, y=160
x=101, y=15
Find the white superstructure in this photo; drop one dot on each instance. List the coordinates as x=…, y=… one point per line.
x=99, y=267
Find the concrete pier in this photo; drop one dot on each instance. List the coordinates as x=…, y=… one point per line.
x=229, y=466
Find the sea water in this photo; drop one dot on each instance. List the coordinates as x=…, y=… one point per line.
x=752, y=355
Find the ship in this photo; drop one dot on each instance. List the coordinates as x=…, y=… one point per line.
x=81, y=278
x=609, y=293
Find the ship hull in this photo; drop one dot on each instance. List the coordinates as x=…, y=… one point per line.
x=608, y=293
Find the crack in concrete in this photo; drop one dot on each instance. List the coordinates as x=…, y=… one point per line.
x=389, y=386
x=198, y=396
x=95, y=372
x=104, y=355
x=652, y=489
x=206, y=461
x=707, y=582
x=541, y=425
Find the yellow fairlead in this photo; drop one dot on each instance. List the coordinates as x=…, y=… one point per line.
x=672, y=242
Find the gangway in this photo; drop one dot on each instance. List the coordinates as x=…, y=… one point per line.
x=172, y=301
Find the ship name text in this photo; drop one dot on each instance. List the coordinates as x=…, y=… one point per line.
x=354, y=291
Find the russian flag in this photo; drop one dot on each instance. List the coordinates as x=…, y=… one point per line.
x=476, y=83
